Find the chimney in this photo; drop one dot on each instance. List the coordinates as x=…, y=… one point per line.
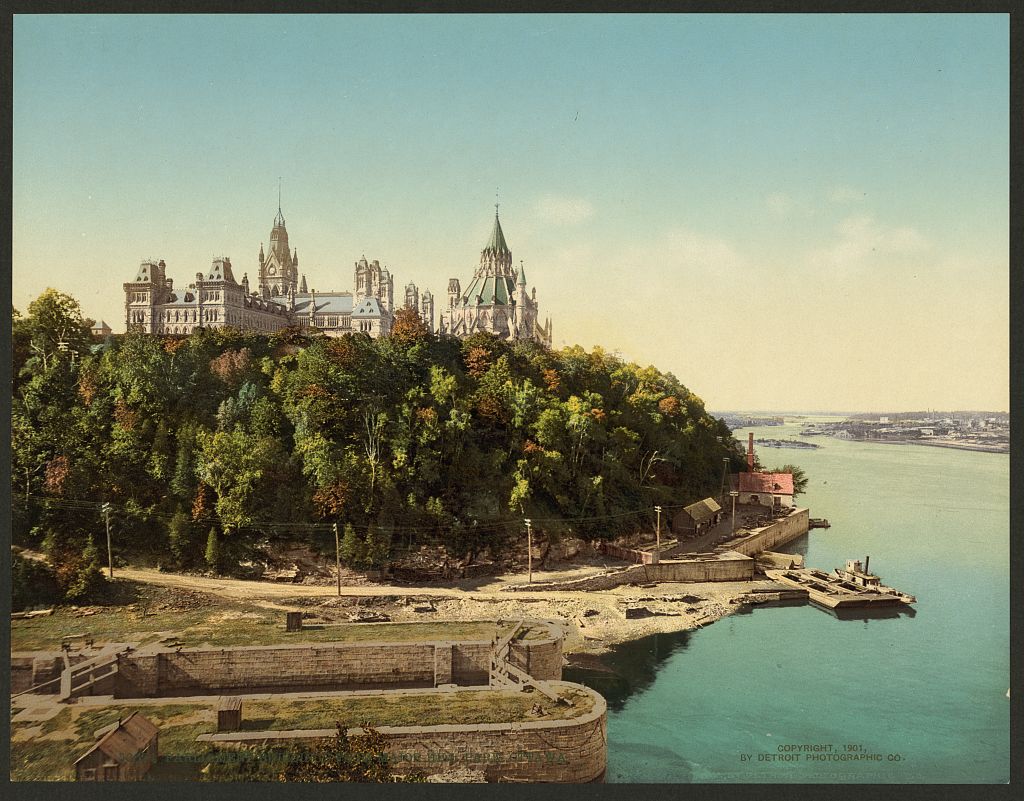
x=750, y=453
x=866, y=559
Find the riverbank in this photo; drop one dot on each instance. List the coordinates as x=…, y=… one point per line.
x=198, y=610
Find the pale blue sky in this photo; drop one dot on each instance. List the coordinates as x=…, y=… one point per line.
x=710, y=193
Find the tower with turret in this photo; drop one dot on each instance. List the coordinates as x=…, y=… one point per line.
x=496, y=299
x=279, y=268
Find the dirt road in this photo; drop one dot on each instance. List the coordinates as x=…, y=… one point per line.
x=592, y=621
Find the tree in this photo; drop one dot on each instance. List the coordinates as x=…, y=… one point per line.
x=213, y=551
x=408, y=327
x=800, y=479
x=353, y=548
x=54, y=325
x=181, y=538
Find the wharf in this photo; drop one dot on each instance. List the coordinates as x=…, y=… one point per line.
x=834, y=592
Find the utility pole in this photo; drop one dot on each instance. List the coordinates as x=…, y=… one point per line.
x=110, y=553
x=733, y=494
x=529, y=549
x=337, y=556
x=657, y=538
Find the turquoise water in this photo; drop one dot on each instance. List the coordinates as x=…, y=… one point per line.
x=926, y=693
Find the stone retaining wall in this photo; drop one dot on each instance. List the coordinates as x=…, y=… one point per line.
x=726, y=566
x=572, y=750
x=327, y=666
x=771, y=536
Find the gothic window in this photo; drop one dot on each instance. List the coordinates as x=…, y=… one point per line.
x=177, y=318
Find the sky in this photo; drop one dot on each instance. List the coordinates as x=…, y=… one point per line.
x=787, y=212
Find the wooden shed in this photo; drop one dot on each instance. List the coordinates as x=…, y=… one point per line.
x=124, y=752
x=696, y=518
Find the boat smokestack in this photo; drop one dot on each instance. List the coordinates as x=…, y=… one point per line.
x=750, y=453
x=866, y=558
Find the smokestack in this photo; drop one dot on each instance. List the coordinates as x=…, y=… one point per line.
x=750, y=453
x=866, y=558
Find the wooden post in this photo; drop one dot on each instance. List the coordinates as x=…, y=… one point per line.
x=337, y=556
x=657, y=538
x=529, y=550
x=110, y=555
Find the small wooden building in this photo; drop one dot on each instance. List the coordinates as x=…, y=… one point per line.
x=696, y=518
x=124, y=752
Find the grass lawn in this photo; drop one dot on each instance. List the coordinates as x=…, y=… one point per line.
x=50, y=754
x=204, y=619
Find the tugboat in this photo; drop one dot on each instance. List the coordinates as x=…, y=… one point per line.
x=850, y=586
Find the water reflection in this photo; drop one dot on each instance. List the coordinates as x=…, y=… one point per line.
x=629, y=668
x=868, y=613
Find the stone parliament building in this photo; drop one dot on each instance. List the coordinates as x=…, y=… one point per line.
x=496, y=299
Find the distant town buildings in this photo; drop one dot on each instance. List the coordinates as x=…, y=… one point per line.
x=495, y=301
x=980, y=431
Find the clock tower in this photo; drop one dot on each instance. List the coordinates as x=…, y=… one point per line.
x=279, y=269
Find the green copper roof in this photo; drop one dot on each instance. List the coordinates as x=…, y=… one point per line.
x=497, y=240
x=521, y=275
x=490, y=289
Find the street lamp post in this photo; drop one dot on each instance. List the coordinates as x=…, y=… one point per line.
x=734, y=495
x=529, y=550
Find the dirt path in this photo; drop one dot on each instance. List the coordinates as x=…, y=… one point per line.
x=592, y=621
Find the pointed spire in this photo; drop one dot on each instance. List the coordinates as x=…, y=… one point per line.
x=522, y=274
x=279, y=219
x=302, y=286
x=496, y=243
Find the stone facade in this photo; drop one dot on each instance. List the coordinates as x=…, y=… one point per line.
x=282, y=297
x=496, y=300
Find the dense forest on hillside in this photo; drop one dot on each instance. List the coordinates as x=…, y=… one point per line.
x=206, y=445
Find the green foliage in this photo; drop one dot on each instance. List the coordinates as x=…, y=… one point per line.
x=182, y=540
x=411, y=439
x=33, y=583
x=212, y=556
x=361, y=758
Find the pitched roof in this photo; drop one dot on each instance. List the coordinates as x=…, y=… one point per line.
x=368, y=307
x=774, y=483
x=702, y=510
x=497, y=241
x=124, y=739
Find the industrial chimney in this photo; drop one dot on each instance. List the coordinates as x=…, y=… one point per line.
x=750, y=453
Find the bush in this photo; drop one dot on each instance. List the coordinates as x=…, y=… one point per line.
x=33, y=583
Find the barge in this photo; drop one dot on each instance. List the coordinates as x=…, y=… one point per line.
x=851, y=586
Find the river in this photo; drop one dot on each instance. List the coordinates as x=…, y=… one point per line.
x=793, y=694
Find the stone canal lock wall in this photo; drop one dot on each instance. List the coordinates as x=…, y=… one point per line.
x=571, y=750
x=324, y=666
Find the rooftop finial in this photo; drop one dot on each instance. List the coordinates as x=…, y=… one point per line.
x=279, y=194
x=496, y=202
